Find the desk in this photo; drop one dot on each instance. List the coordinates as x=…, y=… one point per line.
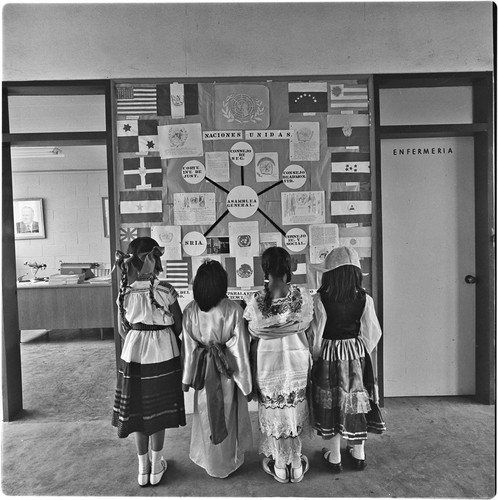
x=87, y=305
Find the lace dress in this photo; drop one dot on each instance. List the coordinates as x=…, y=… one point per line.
x=282, y=364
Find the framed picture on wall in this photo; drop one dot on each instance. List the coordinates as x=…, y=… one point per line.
x=105, y=216
x=28, y=219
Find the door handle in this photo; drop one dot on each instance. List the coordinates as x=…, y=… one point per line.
x=471, y=280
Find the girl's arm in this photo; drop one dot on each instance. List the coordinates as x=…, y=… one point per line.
x=370, y=330
x=175, y=310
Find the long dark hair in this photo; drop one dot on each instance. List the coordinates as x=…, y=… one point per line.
x=138, y=246
x=343, y=284
x=277, y=262
x=210, y=284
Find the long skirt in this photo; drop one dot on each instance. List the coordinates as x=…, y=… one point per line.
x=149, y=395
x=345, y=392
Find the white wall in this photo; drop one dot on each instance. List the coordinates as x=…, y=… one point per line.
x=72, y=205
x=83, y=41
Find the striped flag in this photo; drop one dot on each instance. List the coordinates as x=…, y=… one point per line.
x=348, y=97
x=308, y=97
x=346, y=207
x=189, y=100
x=177, y=273
x=136, y=100
x=350, y=167
x=143, y=173
x=348, y=130
x=137, y=136
x=359, y=238
x=141, y=206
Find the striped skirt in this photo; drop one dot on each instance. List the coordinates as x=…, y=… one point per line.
x=149, y=394
x=345, y=392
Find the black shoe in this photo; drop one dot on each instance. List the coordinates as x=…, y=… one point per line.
x=333, y=467
x=358, y=464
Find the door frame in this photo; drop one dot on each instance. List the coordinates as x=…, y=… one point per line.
x=482, y=129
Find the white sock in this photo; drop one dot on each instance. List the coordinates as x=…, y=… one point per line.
x=155, y=458
x=143, y=463
x=334, y=453
x=358, y=451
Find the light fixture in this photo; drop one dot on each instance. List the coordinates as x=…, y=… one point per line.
x=36, y=152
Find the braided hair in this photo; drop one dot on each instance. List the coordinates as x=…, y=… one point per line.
x=277, y=262
x=136, y=248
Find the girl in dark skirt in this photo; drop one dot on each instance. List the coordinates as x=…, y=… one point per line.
x=149, y=396
x=346, y=330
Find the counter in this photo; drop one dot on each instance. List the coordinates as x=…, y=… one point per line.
x=44, y=305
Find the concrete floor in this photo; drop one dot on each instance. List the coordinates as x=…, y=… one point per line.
x=64, y=445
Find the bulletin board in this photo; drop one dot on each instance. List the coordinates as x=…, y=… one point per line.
x=223, y=170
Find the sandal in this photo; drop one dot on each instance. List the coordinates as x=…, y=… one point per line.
x=333, y=467
x=269, y=468
x=305, y=467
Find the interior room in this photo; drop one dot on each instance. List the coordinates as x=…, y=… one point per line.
x=222, y=130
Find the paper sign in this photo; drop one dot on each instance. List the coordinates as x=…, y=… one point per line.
x=323, y=238
x=294, y=176
x=305, y=142
x=266, y=167
x=268, y=134
x=244, y=269
x=217, y=166
x=296, y=239
x=221, y=135
x=194, y=209
x=179, y=141
x=244, y=238
x=304, y=207
x=194, y=243
x=242, y=202
x=193, y=172
x=241, y=153
x=267, y=240
x=168, y=237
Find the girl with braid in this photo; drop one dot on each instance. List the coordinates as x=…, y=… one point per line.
x=149, y=396
x=278, y=317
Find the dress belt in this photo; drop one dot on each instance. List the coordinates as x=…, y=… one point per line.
x=147, y=328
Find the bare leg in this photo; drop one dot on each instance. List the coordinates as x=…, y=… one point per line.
x=142, y=443
x=157, y=441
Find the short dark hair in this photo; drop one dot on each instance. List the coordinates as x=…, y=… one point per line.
x=210, y=284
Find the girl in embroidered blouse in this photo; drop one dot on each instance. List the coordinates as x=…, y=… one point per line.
x=278, y=317
x=344, y=389
x=216, y=365
x=149, y=395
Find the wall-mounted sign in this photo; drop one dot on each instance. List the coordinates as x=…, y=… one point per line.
x=241, y=153
x=294, y=176
x=296, y=239
x=242, y=202
x=193, y=172
x=194, y=243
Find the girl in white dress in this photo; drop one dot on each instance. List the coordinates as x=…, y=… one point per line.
x=278, y=317
x=216, y=365
x=149, y=395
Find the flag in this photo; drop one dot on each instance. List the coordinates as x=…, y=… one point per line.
x=350, y=167
x=136, y=100
x=359, y=238
x=141, y=206
x=348, y=130
x=137, y=136
x=245, y=106
x=127, y=234
x=348, y=97
x=190, y=99
x=177, y=273
x=143, y=173
x=309, y=97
